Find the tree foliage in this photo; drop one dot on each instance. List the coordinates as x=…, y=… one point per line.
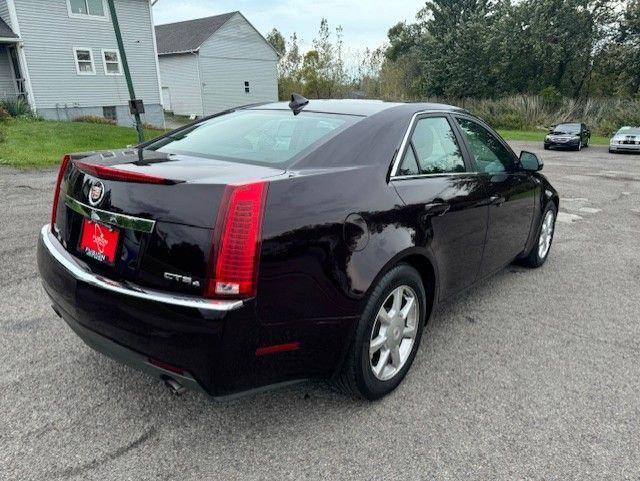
x=487, y=49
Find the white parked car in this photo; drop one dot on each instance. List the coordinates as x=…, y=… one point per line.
x=627, y=139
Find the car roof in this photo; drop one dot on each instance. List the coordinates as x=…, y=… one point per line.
x=363, y=108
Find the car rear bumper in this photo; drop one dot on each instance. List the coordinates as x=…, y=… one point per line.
x=144, y=328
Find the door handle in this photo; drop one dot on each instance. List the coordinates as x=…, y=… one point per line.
x=497, y=200
x=437, y=208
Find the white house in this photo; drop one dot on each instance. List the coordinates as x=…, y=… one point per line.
x=62, y=57
x=211, y=64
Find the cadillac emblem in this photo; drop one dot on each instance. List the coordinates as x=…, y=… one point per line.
x=96, y=193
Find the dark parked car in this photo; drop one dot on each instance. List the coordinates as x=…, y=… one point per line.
x=572, y=136
x=264, y=246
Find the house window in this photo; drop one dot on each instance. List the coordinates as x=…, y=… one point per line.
x=86, y=8
x=246, y=87
x=109, y=113
x=84, y=61
x=111, y=61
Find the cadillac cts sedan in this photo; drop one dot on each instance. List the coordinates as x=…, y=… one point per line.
x=275, y=243
x=573, y=136
x=627, y=139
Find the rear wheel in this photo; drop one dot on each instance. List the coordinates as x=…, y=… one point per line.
x=540, y=250
x=387, y=337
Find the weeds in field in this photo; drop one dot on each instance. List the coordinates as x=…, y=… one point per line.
x=525, y=112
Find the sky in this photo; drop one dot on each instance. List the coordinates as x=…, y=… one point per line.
x=365, y=22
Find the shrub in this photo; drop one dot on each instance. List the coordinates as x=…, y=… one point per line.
x=3, y=135
x=551, y=97
x=94, y=119
x=4, y=114
x=17, y=107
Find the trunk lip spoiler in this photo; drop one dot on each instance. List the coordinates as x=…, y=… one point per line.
x=83, y=274
x=119, y=220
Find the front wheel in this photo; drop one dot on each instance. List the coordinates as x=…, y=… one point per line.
x=387, y=337
x=540, y=250
x=579, y=147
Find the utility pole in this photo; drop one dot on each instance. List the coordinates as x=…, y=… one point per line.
x=134, y=104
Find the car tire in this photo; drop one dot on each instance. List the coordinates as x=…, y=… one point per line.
x=546, y=147
x=579, y=147
x=538, y=255
x=359, y=375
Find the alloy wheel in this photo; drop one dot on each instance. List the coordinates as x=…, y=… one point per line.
x=394, y=333
x=546, y=234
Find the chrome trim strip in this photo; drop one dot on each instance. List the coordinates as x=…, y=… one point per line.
x=420, y=176
x=83, y=274
x=119, y=220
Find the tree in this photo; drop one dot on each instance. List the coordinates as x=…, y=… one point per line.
x=276, y=40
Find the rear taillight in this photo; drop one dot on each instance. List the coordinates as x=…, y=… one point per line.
x=56, y=195
x=109, y=173
x=234, y=270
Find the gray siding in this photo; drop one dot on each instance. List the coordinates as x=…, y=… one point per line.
x=234, y=54
x=4, y=12
x=50, y=34
x=179, y=73
x=154, y=114
x=7, y=83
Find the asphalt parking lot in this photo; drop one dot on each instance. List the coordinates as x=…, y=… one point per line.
x=533, y=374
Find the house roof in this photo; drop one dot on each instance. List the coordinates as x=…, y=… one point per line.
x=188, y=36
x=5, y=30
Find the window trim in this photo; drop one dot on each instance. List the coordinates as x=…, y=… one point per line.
x=104, y=62
x=406, y=143
x=84, y=16
x=77, y=62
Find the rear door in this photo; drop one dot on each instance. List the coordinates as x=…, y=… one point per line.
x=511, y=193
x=446, y=200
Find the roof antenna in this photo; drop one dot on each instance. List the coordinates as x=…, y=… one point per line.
x=298, y=102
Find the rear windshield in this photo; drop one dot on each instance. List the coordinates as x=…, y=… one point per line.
x=265, y=137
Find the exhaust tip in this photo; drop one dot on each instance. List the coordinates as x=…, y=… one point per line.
x=174, y=386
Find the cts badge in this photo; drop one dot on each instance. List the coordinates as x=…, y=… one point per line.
x=181, y=279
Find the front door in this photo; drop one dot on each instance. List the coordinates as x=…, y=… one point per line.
x=511, y=193
x=445, y=200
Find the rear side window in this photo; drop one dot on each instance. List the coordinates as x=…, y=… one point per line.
x=433, y=149
x=489, y=153
x=266, y=137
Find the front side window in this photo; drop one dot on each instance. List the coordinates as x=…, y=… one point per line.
x=433, y=149
x=84, y=61
x=92, y=8
x=489, y=153
x=265, y=137
x=111, y=60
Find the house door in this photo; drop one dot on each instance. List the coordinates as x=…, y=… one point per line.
x=166, y=99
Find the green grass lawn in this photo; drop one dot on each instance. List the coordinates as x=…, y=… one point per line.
x=29, y=143
x=538, y=136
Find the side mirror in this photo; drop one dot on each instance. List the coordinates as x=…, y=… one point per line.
x=530, y=161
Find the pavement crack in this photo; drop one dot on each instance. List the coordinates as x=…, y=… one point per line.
x=112, y=456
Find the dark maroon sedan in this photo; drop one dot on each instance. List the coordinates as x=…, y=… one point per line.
x=275, y=243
